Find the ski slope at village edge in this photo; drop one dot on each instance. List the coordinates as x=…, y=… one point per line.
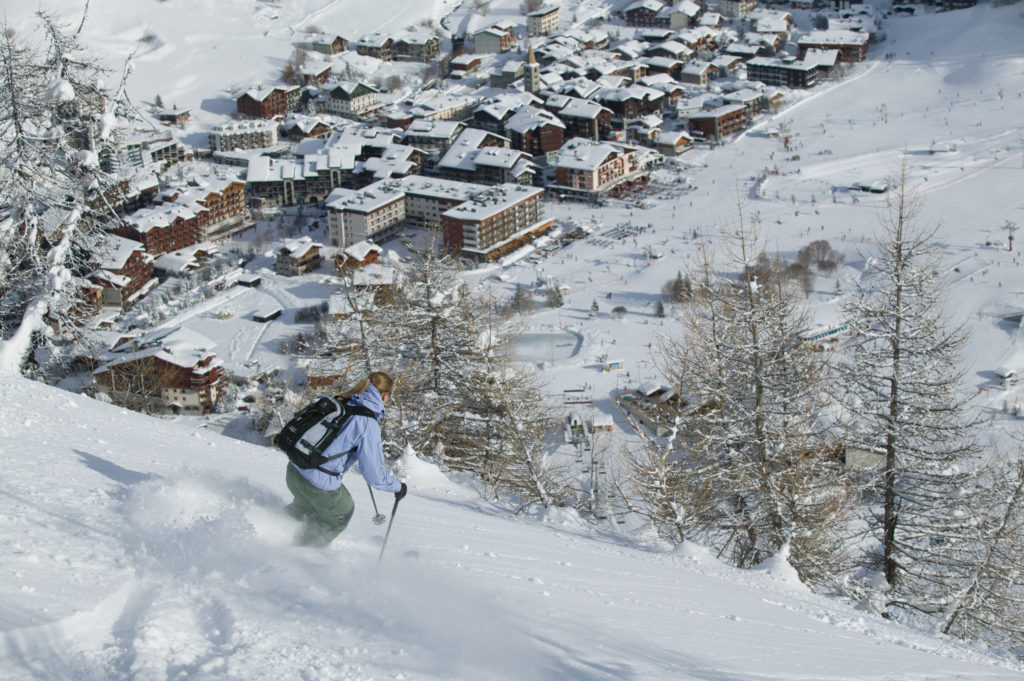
x=141, y=548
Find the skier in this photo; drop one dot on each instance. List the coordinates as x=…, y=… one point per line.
x=321, y=500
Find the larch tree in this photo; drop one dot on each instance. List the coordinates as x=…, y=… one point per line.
x=986, y=605
x=752, y=451
x=901, y=383
x=56, y=120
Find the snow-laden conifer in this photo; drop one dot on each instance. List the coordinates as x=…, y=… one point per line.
x=753, y=467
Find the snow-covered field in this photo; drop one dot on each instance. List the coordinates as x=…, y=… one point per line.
x=136, y=548
x=142, y=549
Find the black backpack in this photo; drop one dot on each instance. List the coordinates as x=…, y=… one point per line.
x=307, y=434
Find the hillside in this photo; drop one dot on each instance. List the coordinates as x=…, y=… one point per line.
x=137, y=548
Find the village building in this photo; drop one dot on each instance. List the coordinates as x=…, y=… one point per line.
x=376, y=45
x=327, y=44
x=298, y=126
x=261, y=102
x=298, y=257
x=373, y=213
x=314, y=73
x=774, y=71
x=495, y=38
x=698, y=72
x=535, y=131
x=464, y=65
x=432, y=137
x=183, y=262
x=495, y=222
x=163, y=228
x=484, y=157
x=542, y=22
x=176, y=370
x=587, y=169
x=421, y=45
x=717, y=123
x=582, y=117
x=175, y=116
x=736, y=9
x=427, y=198
x=673, y=143
x=254, y=134
x=351, y=99
x=357, y=255
x=852, y=45
x=125, y=271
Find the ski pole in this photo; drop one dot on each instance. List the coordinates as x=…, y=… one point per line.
x=394, y=509
x=378, y=517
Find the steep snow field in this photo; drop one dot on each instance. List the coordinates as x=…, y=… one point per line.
x=137, y=548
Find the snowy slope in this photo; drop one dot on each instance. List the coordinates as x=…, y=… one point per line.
x=137, y=548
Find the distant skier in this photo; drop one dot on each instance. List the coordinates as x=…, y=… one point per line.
x=321, y=500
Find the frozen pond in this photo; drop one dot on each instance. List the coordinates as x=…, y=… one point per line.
x=547, y=346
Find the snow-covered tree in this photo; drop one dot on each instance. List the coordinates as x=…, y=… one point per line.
x=519, y=427
x=753, y=456
x=55, y=121
x=902, y=385
x=986, y=605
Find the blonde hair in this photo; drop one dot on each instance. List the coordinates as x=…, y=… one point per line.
x=380, y=380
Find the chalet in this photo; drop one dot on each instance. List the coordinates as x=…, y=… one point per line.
x=591, y=169
x=464, y=65
x=416, y=45
x=697, y=72
x=535, y=131
x=300, y=127
x=376, y=45
x=665, y=65
x=484, y=157
x=268, y=103
x=314, y=73
x=172, y=369
x=162, y=229
x=327, y=44
x=673, y=143
x=359, y=254
x=125, y=271
x=718, y=123
x=634, y=101
x=298, y=257
x=852, y=45
x=726, y=66
x=582, y=117
x=671, y=49
x=494, y=39
x=645, y=13
x=825, y=61
x=542, y=22
x=175, y=116
x=495, y=222
x=183, y=262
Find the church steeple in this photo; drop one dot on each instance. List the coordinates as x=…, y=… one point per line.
x=531, y=74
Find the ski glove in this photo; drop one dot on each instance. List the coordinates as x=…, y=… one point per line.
x=400, y=494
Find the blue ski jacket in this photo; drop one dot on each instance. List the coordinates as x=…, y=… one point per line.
x=363, y=434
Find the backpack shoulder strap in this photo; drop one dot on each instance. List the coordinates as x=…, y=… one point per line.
x=350, y=410
x=354, y=410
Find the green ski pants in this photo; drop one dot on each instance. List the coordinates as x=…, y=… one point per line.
x=325, y=514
